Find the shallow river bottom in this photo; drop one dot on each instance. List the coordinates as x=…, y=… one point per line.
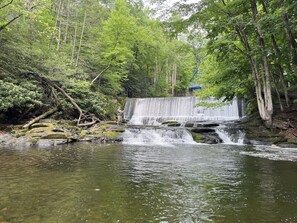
x=136, y=183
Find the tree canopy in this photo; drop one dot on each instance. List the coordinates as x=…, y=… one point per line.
x=86, y=56
x=95, y=51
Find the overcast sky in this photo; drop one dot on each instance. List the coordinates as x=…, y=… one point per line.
x=171, y=2
x=162, y=8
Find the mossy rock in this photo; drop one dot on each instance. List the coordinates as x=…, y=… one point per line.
x=97, y=133
x=42, y=125
x=37, y=135
x=118, y=130
x=293, y=141
x=83, y=133
x=103, y=128
x=111, y=135
x=54, y=135
x=170, y=122
x=19, y=133
x=111, y=122
x=197, y=137
x=34, y=139
x=39, y=130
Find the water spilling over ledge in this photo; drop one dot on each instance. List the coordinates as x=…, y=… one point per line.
x=157, y=136
x=154, y=111
x=178, y=119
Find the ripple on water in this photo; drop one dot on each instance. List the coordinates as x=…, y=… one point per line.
x=272, y=153
x=124, y=183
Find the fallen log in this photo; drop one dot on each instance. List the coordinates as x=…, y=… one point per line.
x=85, y=118
x=44, y=115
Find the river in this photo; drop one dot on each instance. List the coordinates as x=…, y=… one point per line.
x=87, y=182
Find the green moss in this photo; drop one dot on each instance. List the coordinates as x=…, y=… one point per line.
x=56, y=136
x=197, y=137
x=118, y=130
x=34, y=139
x=103, y=128
x=19, y=133
x=111, y=134
x=83, y=133
x=39, y=130
x=292, y=140
x=42, y=125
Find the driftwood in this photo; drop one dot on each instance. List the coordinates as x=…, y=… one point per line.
x=44, y=115
x=105, y=69
x=85, y=118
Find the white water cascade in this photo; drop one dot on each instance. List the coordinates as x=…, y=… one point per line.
x=230, y=135
x=155, y=136
x=154, y=111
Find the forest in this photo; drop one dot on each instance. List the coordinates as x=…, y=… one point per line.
x=81, y=59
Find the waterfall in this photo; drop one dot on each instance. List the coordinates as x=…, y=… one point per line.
x=157, y=136
x=230, y=135
x=153, y=111
x=144, y=113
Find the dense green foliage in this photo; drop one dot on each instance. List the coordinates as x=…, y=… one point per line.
x=99, y=52
x=250, y=50
x=96, y=51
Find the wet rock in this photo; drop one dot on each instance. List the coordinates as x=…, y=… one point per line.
x=202, y=130
x=7, y=139
x=55, y=135
x=51, y=142
x=208, y=138
x=212, y=138
x=206, y=125
x=173, y=124
x=189, y=125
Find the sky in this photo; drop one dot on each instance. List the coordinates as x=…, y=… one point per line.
x=162, y=8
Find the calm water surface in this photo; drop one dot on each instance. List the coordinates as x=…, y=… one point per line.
x=125, y=183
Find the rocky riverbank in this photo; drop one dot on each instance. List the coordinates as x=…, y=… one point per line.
x=251, y=130
x=51, y=132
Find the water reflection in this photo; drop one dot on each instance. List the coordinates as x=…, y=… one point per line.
x=124, y=183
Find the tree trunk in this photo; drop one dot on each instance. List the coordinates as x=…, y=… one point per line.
x=262, y=108
x=59, y=26
x=173, y=81
x=56, y=24
x=44, y=115
x=84, y=119
x=82, y=116
x=105, y=69
x=80, y=41
x=277, y=56
x=262, y=48
x=74, y=41
x=291, y=41
x=67, y=22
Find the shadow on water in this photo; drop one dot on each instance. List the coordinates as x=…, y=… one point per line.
x=137, y=183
